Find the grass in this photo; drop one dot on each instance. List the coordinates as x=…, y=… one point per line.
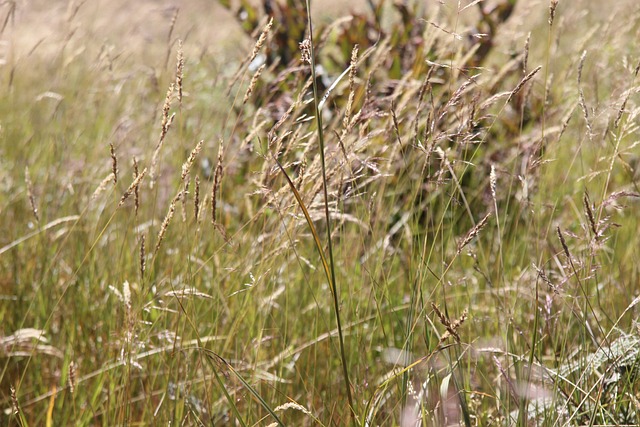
x=447, y=237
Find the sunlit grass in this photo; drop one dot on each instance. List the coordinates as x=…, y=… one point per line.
x=485, y=248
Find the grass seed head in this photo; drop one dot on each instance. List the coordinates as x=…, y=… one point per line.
x=132, y=187
x=142, y=258
x=102, y=186
x=292, y=405
x=263, y=37
x=493, y=180
x=179, y=71
x=252, y=84
x=166, y=222
x=167, y=120
x=552, y=11
x=186, y=166
x=471, y=234
x=524, y=81
x=126, y=295
x=196, y=198
x=590, y=216
x=346, y=124
x=622, y=109
x=30, y=195
x=217, y=178
x=305, y=51
x=183, y=199
x=114, y=163
x=136, y=190
x=583, y=57
x=452, y=327
x=15, y=406
x=73, y=377
x=563, y=242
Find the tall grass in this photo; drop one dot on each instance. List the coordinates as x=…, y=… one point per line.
x=473, y=168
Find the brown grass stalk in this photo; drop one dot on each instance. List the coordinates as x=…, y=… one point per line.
x=254, y=53
x=102, y=186
x=217, y=178
x=346, y=123
x=552, y=11
x=590, y=215
x=252, y=84
x=179, y=71
x=260, y=42
x=167, y=220
x=523, y=82
x=15, y=405
x=452, y=327
x=186, y=166
x=471, y=234
x=563, y=242
x=132, y=187
x=185, y=192
x=164, y=128
x=196, y=199
x=142, y=257
x=396, y=127
x=114, y=163
x=136, y=190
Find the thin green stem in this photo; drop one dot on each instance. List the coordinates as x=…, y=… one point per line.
x=333, y=283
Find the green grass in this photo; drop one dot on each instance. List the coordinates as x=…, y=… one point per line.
x=442, y=320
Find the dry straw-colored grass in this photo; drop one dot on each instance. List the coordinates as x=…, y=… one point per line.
x=475, y=190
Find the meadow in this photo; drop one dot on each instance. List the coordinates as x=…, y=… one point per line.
x=385, y=213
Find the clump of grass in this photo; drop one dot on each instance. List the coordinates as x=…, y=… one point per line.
x=473, y=174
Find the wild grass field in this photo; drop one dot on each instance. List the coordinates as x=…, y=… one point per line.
x=393, y=213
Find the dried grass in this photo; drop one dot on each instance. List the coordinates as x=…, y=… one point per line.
x=30, y=195
x=132, y=187
x=399, y=217
x=217, y=179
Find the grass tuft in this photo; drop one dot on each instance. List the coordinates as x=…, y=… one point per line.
x=422, y=213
